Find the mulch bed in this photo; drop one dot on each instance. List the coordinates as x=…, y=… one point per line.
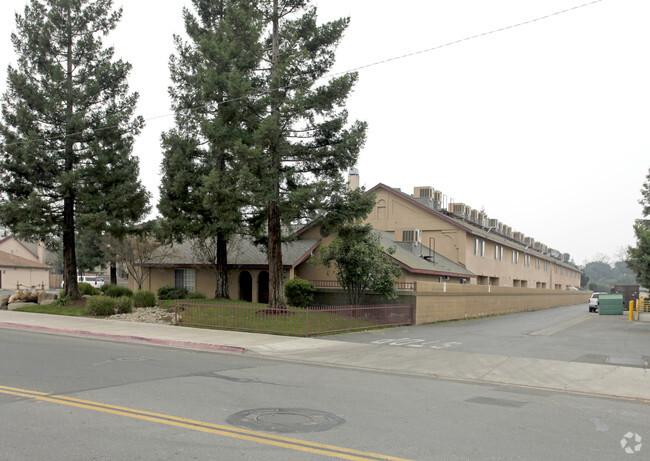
x=77, y=302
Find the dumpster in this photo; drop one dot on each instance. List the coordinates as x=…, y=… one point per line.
x=610, y=304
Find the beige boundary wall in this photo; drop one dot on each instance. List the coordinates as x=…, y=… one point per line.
x=436, y=302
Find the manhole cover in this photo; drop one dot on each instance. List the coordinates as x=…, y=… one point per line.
x=285, y=420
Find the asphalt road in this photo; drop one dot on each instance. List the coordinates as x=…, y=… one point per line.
x=564, y=333
x=64, y=398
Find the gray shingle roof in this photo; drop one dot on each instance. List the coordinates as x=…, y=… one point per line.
x=243, y=252
x=413, y=257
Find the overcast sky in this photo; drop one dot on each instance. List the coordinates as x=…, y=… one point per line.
x=545, y=125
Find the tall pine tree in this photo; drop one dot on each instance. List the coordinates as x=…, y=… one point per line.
x=303, y=144
x=213, y=77
x=68, y=129
x=638, y=257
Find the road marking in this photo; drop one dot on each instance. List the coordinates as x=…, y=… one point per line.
x=561, y=326
x=226, y=431
x=420, y=343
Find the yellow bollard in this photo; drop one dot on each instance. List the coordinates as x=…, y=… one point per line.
x=631, y=308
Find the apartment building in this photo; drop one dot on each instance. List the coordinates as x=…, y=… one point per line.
x=490, y=250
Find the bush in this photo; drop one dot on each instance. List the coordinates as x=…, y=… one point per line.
x=123, y=304
x=144, y=298
x=196, y=295
x=299, y=292
x=86, y=288
x=115, y=291
x=172, y=293
x=100, y=305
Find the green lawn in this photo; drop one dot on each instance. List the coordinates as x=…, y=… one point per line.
x=76, y=311
x=257, y=317
x=239, y=315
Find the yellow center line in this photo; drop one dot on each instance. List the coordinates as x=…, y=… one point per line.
x=226, y=431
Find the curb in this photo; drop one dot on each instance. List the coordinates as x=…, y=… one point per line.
x=126, y=338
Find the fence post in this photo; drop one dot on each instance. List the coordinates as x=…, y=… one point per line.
x=175, y=312
x=307, y=322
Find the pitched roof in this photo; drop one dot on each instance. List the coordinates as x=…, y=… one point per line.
x=411, y=258
x=472, y=228
x=243, y=252
x=30, y=247
x=13, y=261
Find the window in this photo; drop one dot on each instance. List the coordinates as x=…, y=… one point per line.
x=496, y=252
x=381, y=209
x=184, y=278
x=482, y=248
x=500, y=253
x=475, y=247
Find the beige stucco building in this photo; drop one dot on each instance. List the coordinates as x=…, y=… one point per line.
x=488, y=249
x=22, y=265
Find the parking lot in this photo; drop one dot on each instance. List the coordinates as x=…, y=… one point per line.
x=565, y=333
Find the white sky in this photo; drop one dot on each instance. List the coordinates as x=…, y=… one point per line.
x=546, y=125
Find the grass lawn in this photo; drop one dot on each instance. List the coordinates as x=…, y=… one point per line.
x=241, y=315
x=74, y=310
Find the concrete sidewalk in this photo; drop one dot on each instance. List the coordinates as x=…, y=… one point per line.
x=594, y=379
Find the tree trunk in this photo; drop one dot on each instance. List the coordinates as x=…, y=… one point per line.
x=276, y=292
x=113, y=273
x=71, y=289
x=221, y=291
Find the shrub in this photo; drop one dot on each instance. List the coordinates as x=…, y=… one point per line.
x=100, y=305
x=86, y=288
x=123, y=304
x=196, y=295
x=61, y=301
x=299, y=292
x=144, y=298
x=115, y=291
x=172, y=293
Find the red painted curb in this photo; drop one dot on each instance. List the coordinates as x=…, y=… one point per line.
x=127, y=338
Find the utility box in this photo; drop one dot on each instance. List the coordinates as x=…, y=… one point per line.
x=610, y=304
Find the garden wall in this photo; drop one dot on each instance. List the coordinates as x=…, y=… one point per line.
x=436, y=302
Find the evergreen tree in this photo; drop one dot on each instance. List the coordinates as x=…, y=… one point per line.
x=213, y=79
x=362, y=265
x=68, y=129
x=639, y=256
x=303, y=143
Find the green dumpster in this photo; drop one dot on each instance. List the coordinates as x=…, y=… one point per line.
x=610, y=304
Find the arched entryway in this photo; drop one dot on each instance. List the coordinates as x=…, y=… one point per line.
x=263, y=287
x=245, y=286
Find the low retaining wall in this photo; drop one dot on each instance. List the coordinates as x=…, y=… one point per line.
x=436, y=302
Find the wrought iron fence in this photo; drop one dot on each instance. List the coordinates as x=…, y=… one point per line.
x=290, y=321
x=404, y=286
